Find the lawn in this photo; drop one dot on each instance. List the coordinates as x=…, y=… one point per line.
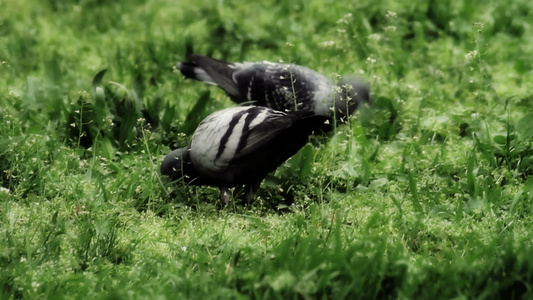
x=426, y=193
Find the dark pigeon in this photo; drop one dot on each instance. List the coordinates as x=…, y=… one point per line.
x=283, y=87
x=240, y=146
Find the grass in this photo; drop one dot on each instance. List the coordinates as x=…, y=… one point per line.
x=425, y=194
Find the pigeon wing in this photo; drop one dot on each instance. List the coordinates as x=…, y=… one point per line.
x=220, y=72
x=234, y=133
x=287, y=87
x=262, y=132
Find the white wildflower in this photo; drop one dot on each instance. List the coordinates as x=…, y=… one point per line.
x=375, y=36
x=391, y=14
x=470, y=56
x=479, y=26
x=14, y=94
x=345, y=19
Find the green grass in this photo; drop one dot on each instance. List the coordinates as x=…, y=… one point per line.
x=425, y=194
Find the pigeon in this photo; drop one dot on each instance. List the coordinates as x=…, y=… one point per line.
x=239, y=146
x=283, y=87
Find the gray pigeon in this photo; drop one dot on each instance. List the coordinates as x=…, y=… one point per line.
x=240, y=146
x=283, y=87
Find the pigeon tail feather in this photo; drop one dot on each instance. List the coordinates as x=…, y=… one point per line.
x=193, y=71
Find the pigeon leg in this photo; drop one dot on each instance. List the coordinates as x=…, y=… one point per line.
x=225, y=195
x=252, y=189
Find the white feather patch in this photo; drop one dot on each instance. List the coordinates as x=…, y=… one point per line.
x=203, y=76
x=323, y=97
x=206, y=140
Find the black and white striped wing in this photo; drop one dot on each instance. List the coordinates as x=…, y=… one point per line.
x=232, y=133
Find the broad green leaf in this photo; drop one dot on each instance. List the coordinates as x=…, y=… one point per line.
x=197, y=113
x=524, y=126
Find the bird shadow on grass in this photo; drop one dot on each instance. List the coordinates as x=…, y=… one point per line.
x=276, y=195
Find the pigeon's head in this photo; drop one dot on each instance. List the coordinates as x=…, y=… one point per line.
x=177, y=164
x=350, y=93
